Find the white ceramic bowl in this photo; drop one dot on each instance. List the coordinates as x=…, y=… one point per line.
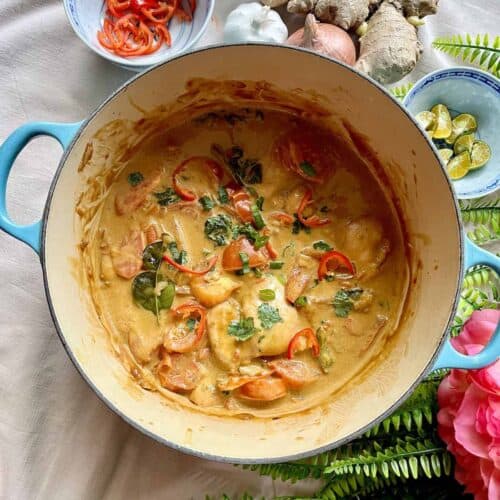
x=85, y=17
x=466, y=90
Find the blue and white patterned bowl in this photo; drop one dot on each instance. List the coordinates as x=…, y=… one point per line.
x=466, y=90
x=86, y=18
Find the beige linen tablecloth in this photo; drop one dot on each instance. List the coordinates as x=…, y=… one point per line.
x=57, y=440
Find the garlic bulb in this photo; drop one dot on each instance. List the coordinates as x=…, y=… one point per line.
x=253, y=22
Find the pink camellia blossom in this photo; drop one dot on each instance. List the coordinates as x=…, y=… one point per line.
x=469, y=414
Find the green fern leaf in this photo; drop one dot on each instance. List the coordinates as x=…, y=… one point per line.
x=469, y=50
x=401, y=91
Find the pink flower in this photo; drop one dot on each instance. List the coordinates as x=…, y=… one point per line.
x=469, y=414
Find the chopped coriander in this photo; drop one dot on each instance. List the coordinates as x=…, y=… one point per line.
x=223, y=195
x=207, y=203
x=167, y=197
x=243, y=329
x=191, y=323
x=246, y=263
x=267, y=294
x=135, y=178
x=321, y=245
x=218, y=229
x=257, y=217
x=301, y=301
x=343, y=301
x=268, y=316
x=297, y=226
x=276, y=264
x=308, y=169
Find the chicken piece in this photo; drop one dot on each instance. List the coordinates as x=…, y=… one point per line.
x=210, y=292
x=229, y=351
x=263, y=389
x=275, y=340
x=127, y=260
x=364, y=242
x=205, y=394
x=133, y=198
x=178, y=372
x=295, y=373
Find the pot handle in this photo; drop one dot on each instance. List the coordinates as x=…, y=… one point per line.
x=9, y=150
x=449, y=357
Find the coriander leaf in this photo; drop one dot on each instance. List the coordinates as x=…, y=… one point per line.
x=207, y=203
x=268, y=316
x=218, y=229
x=321, y=245
x=167, y=197
x=276, y=264
x=191, y=323
x=308, y=169
x=243, y=329
x=135, y=178
x=223, y=195
x=343, y=301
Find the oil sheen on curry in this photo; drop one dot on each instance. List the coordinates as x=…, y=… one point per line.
x=249, y=263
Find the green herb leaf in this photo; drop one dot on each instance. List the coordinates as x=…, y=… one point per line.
x=321, y=245
x=276, y=264
x=247, y=230
x=246, y=263
x=207, y=203
x=223, y=195
x=144, y=292
x=179, y=257
x=267, y=294
x=245, y=171
x=268, y=316
x=167, y=197
x=308, y=169
x=301, y=301
x=191, y=323
x=218, y=229
x=260, y=203
x=343, y=301
x=135, y=178
x=152, y=256
x=297, y=226
x=243, y=329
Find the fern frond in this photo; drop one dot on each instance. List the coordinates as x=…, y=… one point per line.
x=477, y=49
x=401, y=91
x=409, y=457
x=479, y=277
x=290, y=471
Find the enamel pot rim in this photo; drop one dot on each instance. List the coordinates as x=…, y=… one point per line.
x=226, y=459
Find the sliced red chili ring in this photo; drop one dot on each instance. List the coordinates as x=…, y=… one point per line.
x=187, y=270
x=314, y=220
x=331, y=261
x=311, y=342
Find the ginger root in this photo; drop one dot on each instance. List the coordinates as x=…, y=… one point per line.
x=390, y=48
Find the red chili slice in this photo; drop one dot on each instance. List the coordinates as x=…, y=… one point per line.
x=311, y=342
x=333, y=260
x=185, y=194
x=314, y=220
x=184, y=269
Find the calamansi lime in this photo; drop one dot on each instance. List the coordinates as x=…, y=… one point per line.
x=459, y=166
x=443, y=127
x=464, y=143
x=426, y=119
x=461, y=124
x=480, y=154
x=445, y=154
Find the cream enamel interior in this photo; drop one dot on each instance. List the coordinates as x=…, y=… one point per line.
x=416, y=177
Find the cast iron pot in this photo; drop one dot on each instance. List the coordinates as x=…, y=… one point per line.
x=425, y=197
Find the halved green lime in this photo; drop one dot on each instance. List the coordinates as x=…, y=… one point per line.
x=459, y=166
x=480, y=154
x=445, y=154
x=426, y=119
x=443, y=127
x=464, y=143
x=461, y=124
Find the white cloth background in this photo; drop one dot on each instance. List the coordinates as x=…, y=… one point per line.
x=57, y=440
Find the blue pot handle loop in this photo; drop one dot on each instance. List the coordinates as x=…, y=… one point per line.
x=10, y=149
x=449, y=357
